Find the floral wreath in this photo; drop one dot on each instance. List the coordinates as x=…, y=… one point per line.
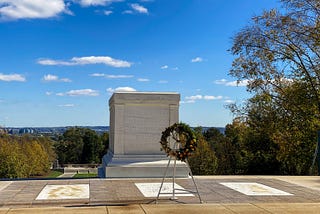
x=184, y=136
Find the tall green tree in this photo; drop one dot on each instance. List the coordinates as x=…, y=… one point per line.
x=203, y=161
x=213, y=136
x=72, y=141
x=235, y=135
x=281, y=139
x=81, y=145
x=92, y=147
x=226, y=151
x=105, y=143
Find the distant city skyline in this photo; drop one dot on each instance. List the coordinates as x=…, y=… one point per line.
x=60, y=60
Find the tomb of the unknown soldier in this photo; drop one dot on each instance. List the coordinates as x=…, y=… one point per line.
x=137, y=120
x=133, y=179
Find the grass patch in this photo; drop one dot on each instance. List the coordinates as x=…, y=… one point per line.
x=54, y=174
x=85, y=175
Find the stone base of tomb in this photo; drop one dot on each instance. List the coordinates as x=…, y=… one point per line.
x=140, y=166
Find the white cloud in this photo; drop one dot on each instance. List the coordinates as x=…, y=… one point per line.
x=140, y=9
x=221, y=82
x=100, y=60
x=110, y=90
x=53, y=78
x=48, y=93
x=80, y=92
x=53, y=62
x=118, y=76
x=245, y=82
x=208, y=97
x=64, y=80
x=232, y=83
x=66, y=105
x=163, y=81
x=107, y=12
x=167, y=67
x=120, y=89
x=109, y=76
x=87, y=3
x=192, y=99
x=12, y=77
x=50, y=77
x=229, y=101
x=195, y=97
x=87, y=60
x=31, y=9
x=197, y=59
x=97, y=75
x=143, y=80
x=41, y=9
x=187, y=101
x=127, y=12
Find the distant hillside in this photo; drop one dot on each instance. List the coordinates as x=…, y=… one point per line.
x=221, y=129
x=51, y=130
x=62, y=129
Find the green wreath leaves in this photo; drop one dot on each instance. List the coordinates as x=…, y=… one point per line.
x=183, y=136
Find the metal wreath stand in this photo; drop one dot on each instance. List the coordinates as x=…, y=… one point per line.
x=177, y=146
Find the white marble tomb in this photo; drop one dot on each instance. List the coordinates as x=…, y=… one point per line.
x=137, y=120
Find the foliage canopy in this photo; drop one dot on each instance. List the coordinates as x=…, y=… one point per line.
x=25, y=156
x=81, y=145
x=278, y=54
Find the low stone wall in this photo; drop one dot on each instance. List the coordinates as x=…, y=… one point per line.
x=81, y=170
x=81, y=165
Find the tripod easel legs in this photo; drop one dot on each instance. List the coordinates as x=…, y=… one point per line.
x=173, y=180
x=165, y=175
x=190, y=172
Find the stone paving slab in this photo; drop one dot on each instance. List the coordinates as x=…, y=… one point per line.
x=245, y=208
x=55, y=210
x=117, y=195
x=312, y=182
x=128, y=209
x=240, y=208
x=283, y=208
x=187, y=208
x=4, y=184
x=4, y=210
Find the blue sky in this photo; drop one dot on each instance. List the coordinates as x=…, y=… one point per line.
x=61, y=60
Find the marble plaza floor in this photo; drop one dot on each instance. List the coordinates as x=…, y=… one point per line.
x=220, y=194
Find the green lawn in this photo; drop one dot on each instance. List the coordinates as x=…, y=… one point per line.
x=85, y=175
x=54, y=174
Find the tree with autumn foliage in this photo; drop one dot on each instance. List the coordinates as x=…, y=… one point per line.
x=203, y=161
x=25, y=156
x=278, y=54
